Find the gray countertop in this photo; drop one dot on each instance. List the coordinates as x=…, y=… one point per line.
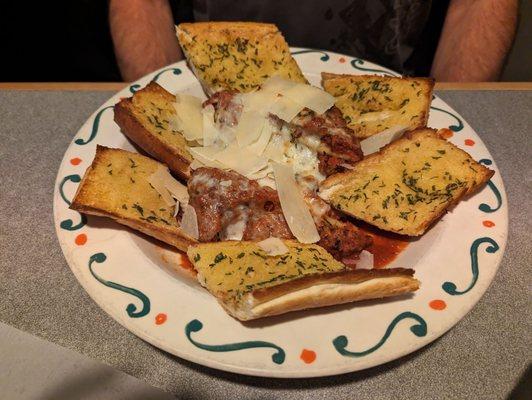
x=483, y=356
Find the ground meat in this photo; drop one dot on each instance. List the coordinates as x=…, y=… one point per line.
x=226, y=111
x=221, y=198
x=339, y=145
x=341, y=238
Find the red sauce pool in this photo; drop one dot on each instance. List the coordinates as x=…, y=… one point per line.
x=386, y=246
x=186, y=264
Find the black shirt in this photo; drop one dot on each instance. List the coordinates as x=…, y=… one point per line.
x=71, y=41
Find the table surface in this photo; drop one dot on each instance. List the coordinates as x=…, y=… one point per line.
x=483, y=356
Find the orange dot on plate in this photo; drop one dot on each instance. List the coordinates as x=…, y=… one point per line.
x=81, y=239
x=469, y=142
x=445, y=133
x=488, y=224
x=438, y=305
x=75, y=161
x=160, y=318
x=341, y=60
x=308, y=356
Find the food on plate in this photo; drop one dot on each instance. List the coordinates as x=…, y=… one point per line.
x=252, y=280
x=236, y=55
x=148, y=119
x=408, y=184
x=275, y=171
x=371, y=103
x=231, y=207
x=120, y=185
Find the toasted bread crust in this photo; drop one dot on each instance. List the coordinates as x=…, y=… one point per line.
x=250, y=284
x=89, y=200
x=357, y=98
x=176, y=158
x=236, y=55
x=337, y=288
x=336, y=189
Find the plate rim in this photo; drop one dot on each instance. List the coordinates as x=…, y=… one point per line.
x=245, y=370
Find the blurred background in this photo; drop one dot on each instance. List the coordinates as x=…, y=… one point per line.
x=70, y=41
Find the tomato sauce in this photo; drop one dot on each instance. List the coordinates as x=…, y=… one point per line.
x=386, y=246
x=186, y=264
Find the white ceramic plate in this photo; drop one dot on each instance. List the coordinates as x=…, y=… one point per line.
x=138, y=282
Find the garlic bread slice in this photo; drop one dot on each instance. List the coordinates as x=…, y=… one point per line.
x=408, y=184
x=371, y=103
x=236, y=55
x=146, y=119
x=116, y=186
x=249, y=283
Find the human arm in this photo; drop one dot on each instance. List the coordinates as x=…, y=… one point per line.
x=143, y=36
x=477, y=35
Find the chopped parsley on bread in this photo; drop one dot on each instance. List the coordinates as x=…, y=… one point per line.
x=371, y=103
x=408, y=184
x=251, y=284
x=236, y=55
x=116, y=186
x=146, y=119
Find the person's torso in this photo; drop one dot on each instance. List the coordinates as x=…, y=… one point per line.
x=400, y=34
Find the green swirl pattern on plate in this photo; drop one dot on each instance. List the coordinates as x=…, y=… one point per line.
x=420, y=329
x=196, y=325
x=95, y=125
x=450, y=287
x=68, y=224
x=324, y=56
x=358, y=64
x=454, y=128
x=176, y=71
x=131, y=308
x=486, y=207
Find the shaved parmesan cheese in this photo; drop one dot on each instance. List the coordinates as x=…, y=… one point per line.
x=311, y=97
x=189, y=222
x=241, y=160
x=273, y=246
x=177, y=189
x=258, y=101
x=326, y=194
x=206, y=155
x=275, y=149
x=285, y=108
x=376, y=142
x=210, y=131
x=249, y=127
x=265, y=135
x=189, y=117
x=195, y=164
x=157, y=180
x=294, y=206
x=365, y=260
x=308, y=96
x=235, y=230
x=276, y=84
x=374, y=116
